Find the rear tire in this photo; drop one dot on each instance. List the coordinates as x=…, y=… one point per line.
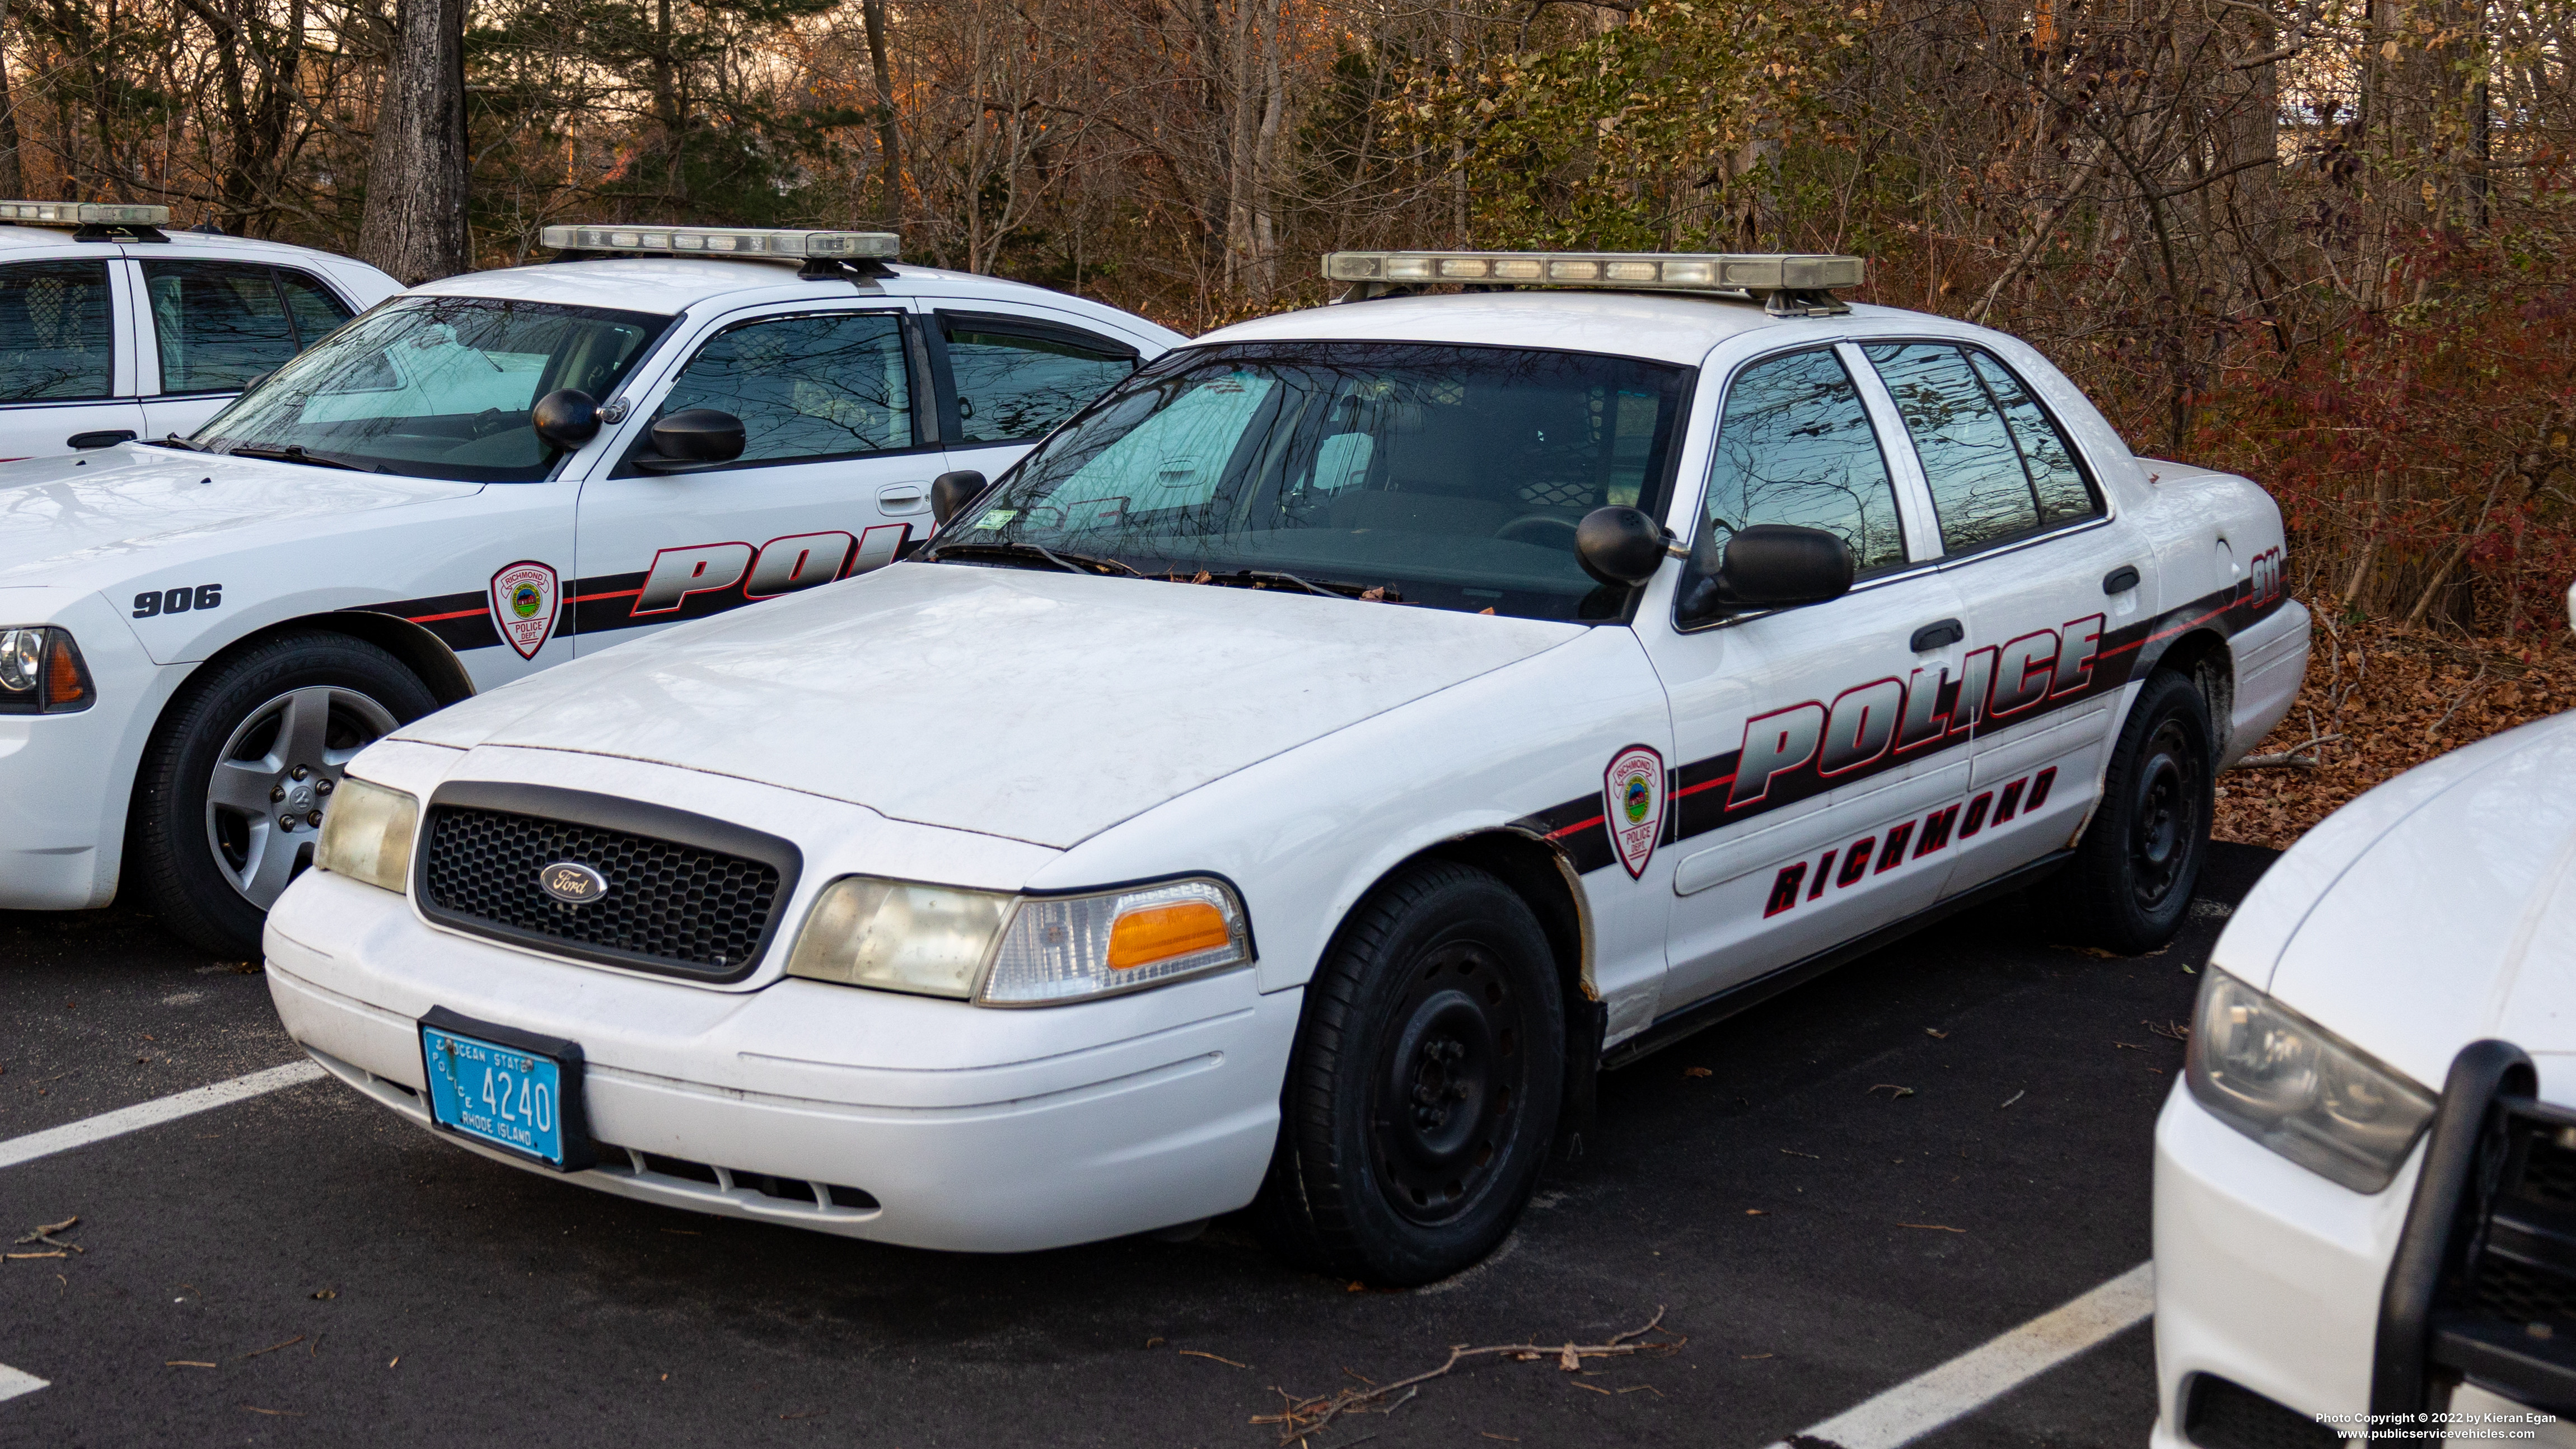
x=1423, y=1092
x=257, y=739
x=2129, y=887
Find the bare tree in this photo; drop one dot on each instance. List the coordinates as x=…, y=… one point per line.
x=414, y=225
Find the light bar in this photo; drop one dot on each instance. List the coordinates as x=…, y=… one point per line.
x=1670, y=271
x=83, y=213
x=726, y=241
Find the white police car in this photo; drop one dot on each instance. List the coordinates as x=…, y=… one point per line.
x=112, y=328
x=477, y=479
x=1311, y=765
x=2365, y=1201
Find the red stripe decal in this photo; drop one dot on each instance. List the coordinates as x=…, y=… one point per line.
x=459, y=614
x=1569, y=830
x=1706, y=785
x=620, y=594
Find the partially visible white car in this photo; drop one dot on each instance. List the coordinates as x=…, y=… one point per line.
x=112, y=328
x=2365, y=1188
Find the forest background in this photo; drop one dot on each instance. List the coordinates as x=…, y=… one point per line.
x=2323, y=243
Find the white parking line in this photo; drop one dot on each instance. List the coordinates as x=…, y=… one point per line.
x=14, y=1382
x=1989, y=1371
x=149, y=1114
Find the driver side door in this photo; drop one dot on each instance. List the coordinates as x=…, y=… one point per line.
x=833, y=477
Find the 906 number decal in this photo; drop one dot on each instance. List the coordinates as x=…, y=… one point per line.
x=179, y=600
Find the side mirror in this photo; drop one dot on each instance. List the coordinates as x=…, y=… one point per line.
x=1775, y=565
x=565, y=418
x=950, y=492
x=690, y=439
x=1619, y=546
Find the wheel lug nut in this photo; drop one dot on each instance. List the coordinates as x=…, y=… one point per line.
x=313, y=818
x=286, y=822
x=298, y=773
x=322, y=787
x=276, y=793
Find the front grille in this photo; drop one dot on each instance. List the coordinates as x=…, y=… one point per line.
x=2222, y=1414
x=669, y=905
x=823, y=1197
x=2504, y=1310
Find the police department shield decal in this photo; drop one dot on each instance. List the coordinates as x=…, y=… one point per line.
x=523, y=605
x=1632, y=805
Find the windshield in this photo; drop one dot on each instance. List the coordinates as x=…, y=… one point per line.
x=1445, y=476
x=435, y=387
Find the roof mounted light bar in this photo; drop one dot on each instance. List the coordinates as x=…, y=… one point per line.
x=727, y=241
x=1790, y=284
x=93, y=220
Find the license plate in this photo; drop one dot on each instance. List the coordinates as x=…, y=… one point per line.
x=506, y=1088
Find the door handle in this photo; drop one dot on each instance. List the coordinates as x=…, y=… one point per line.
x=2120, y=580
x=1938, y=636
x=103, y=438
x=904, y=497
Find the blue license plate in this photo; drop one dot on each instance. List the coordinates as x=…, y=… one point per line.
x=492, y=1093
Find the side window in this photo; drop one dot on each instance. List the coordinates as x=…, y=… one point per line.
x=2063, y=493
x=220, y=324
x=1015, y=379
x=55, y=331
x=318, y=311
x=1795, y=446
x=1998, y=467
x=822, y=385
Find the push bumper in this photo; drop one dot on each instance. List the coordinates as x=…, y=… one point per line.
x=933, y=1124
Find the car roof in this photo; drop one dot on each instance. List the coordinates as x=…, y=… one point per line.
x=675, y=284
x=1659, y=326
x=195, y=243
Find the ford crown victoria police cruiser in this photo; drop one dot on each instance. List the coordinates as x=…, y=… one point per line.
x=483, y=477
x=1309, y=767
x=2365, y=1207
x=112, y=328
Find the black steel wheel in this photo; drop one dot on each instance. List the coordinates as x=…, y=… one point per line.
x=1425, y=1084
x=2131, y=885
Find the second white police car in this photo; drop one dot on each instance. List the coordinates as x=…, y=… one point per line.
x=1312, y=765
x=477, y=479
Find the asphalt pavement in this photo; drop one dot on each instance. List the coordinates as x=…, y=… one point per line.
x=1824, y=1197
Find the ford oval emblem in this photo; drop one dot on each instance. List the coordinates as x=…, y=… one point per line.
x=572, y=882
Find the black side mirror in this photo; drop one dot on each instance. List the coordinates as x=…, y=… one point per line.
x=691, y=439
x=1619, y=546
x=566, y=418
x=950, y=492
x=1776, y=565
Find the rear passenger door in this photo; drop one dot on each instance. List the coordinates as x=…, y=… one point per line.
x=1816, y=776
x=66, y=374
x=2049, y=581
x=833, y=478
x=1010, y=375
x=215, y=326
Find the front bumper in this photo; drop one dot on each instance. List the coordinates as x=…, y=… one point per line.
x=969, y=1128
x=66, y=779
x=2266, y=1274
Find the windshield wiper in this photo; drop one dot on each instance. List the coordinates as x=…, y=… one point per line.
x=294, y=453
x=1072, y=563
x=175, y=441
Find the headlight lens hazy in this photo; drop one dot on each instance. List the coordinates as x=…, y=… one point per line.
x=366, y=834
x=2299, y=1089
x=1018, y=950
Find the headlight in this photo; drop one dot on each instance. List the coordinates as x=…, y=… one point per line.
x=41, y=672
x=1018, y=951
x=2300, y=1090
x=366, y=834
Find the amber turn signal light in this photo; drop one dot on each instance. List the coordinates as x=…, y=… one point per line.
x=1159, y=933
x=63, y=685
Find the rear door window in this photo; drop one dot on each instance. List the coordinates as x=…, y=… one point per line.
x=1016, y=378
x=1998, y=466
x=56, y=332
x=219, y=324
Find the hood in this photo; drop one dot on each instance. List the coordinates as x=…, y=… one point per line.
x=2442, y=911
x=58, y=515
x=1044, y=707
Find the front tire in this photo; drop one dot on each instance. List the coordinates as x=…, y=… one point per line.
x=1423, y=1092
x=2133, y=874
x=229, y=799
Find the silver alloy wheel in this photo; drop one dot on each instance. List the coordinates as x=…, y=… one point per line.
x=274, y=778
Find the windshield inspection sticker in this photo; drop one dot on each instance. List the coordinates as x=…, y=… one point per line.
x=523, y=605
x=1632, y=805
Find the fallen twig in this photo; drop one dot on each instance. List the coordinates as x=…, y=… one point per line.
x=274, y=1347
x=1220, y=1358
x=1933, y=1227
x=45, y=1235
x=1303, y=1417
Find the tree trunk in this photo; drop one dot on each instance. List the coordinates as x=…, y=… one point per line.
x=11, y=183
x=872, y=17
x=414, y=223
